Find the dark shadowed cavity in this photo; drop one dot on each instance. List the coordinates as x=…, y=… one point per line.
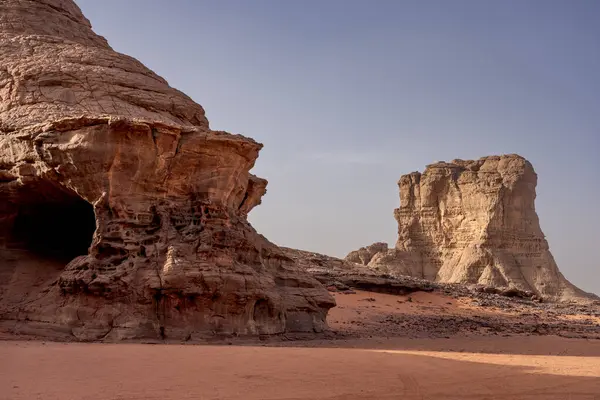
x=53, y=222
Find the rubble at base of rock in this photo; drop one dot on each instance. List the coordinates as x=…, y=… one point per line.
x=529, y=314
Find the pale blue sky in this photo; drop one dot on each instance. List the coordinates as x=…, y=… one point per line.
x=348, y=95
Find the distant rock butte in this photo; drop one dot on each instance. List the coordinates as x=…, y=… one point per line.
x=122, y=215
x=472, y=222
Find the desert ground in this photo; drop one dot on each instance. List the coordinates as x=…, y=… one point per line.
x=363, y=360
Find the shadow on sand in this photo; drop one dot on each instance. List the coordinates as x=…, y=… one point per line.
x=138, y=371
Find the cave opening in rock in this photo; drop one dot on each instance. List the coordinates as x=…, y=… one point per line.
x=53, y=223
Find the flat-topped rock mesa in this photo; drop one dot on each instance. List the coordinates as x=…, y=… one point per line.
x=122, y=215
x=473, y=222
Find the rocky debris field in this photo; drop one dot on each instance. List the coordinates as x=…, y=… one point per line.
x=460, y=309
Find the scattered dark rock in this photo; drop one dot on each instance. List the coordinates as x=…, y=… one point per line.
x=368, y=299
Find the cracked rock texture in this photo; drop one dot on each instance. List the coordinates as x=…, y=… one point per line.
x=122, y=215
x=472, y=222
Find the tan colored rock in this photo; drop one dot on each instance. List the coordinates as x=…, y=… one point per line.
x=122, y=215
x=474, y=222
x=364, y=255
x=55, y=67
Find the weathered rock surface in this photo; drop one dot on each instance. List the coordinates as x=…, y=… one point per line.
x=364, y=255
x=122, y=215
x=474, y=222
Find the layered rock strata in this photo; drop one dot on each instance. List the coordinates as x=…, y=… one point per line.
x=474, y=222
x=122, y=215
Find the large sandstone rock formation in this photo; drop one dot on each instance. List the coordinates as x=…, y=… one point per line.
x=122, y=215
x=473, y=222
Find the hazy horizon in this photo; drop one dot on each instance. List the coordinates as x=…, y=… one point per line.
x=347, y=96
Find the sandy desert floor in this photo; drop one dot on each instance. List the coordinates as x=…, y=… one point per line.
x=32, y=370
x=468, y=365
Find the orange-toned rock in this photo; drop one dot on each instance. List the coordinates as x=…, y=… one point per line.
x=122, y=215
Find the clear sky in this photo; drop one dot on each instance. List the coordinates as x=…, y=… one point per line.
x=348, y=95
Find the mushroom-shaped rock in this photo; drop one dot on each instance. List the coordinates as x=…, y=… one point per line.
x=122, y=215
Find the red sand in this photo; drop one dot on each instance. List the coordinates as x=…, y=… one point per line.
x=461, y=367
x=33, y=370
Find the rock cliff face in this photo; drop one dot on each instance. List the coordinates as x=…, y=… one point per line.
x=474, y=222
x=122, y=215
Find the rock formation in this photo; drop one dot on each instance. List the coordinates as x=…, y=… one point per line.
x=364, y=255
x=473, y=222
x=122, y=215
